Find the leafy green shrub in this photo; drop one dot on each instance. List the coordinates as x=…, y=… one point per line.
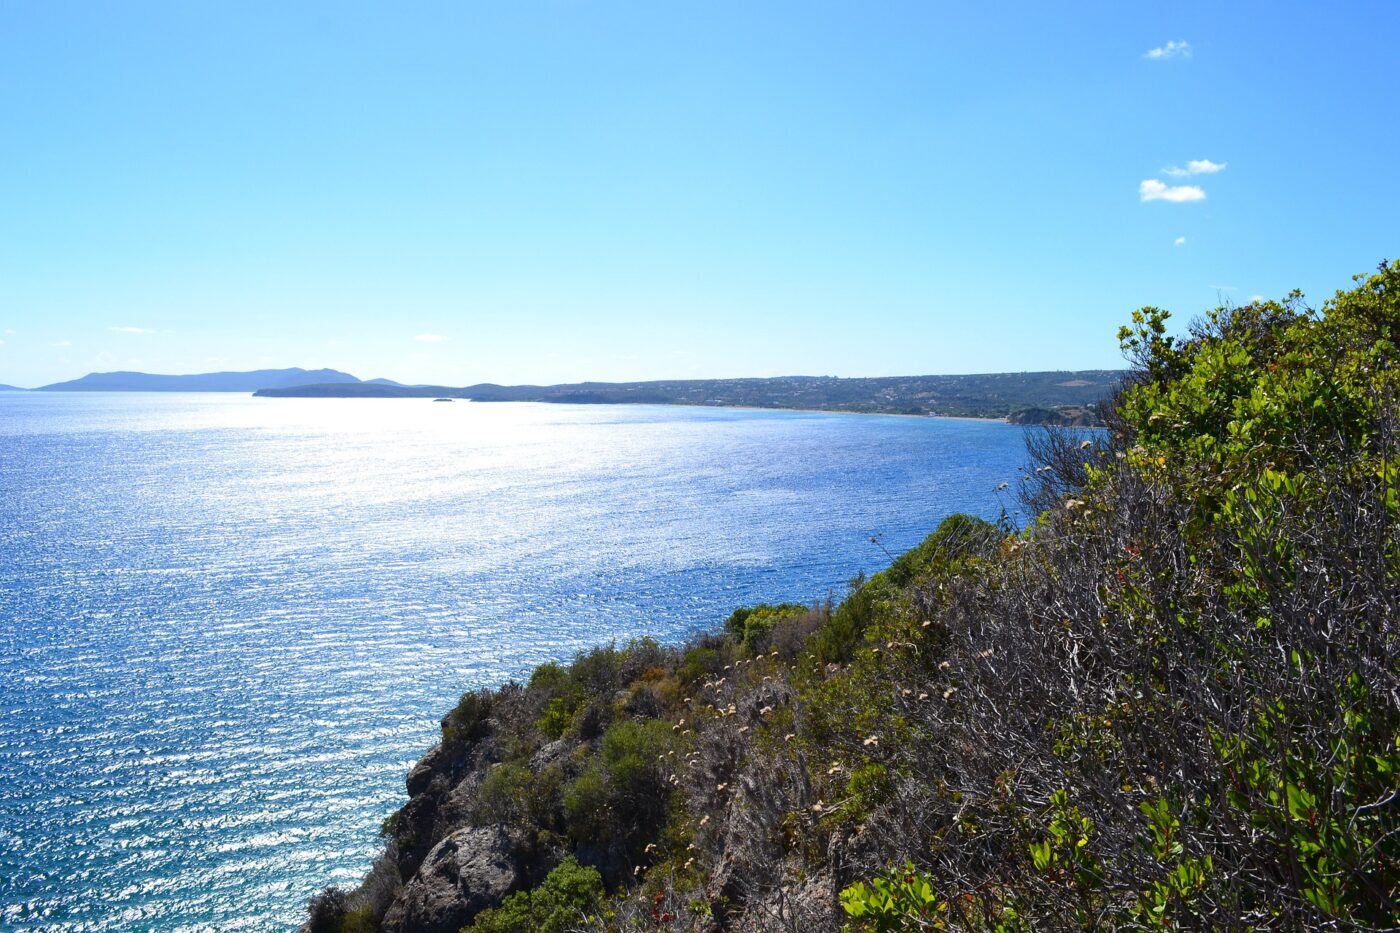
x=569, y=898
x=586, y=804
x=468, y=721
x=557, y=717
x=621, y=798
x=895, y=901
x=753, y=625
x=505, y=795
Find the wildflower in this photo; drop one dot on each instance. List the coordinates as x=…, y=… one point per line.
x=1085, y=445
x=705, y=819
x=943, y=665
x=873, y=741
x=948, y=694
x=743, y=729
x=922, y=697
x=1002, y=486
x=689, y=862
x=790, y=736
x=721, y=788
x=651, y=847
x=834, y=769
x=817, y=807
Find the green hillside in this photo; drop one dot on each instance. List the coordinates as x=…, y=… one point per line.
x=1171, y=702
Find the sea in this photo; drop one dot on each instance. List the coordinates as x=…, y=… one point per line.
x=229, y=625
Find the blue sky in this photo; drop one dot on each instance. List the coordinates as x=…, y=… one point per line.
x=545, y=192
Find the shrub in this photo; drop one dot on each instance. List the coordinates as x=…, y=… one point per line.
x=505, y=795
x=569, y=898
x=753, y=626
x=468, y=721
x=327, y=909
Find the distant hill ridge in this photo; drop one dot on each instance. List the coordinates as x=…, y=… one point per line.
x=202, y=382
x=1050, y=397
x=1054, y=397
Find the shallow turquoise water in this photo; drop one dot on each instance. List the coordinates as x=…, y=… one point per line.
x=230, y=624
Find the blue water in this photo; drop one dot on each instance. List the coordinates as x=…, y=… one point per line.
x=231, y=624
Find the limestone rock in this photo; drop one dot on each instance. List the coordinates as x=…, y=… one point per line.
x=470, y=870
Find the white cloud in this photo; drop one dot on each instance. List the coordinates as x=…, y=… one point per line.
x=1179, y=241
x=1195, y=167
x=9, y=332
x=1153, y=190
x=430, y=338
x=1255, y=299
x=131, y=330
x=1177, y=48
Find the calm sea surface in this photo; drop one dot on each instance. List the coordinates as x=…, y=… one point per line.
x=229, y=625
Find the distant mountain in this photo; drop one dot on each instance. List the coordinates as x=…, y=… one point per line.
x=203, y=382
x=5, y=388
x=384, y=382
x=1041, y=397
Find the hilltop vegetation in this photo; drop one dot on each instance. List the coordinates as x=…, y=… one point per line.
x=1172, y=701
x=1051, y=397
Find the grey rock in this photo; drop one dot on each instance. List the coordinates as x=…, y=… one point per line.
x=467, y=872
x=549, y=754
x=423, y=772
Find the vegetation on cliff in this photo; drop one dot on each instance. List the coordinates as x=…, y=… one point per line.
x=1172, y=701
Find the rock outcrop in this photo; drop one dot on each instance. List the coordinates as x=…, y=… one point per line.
x=469, y=871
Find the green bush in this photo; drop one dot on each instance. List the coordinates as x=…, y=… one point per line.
x=894, y=901
x=753, y=625
x=468, y=721
x=569, y=898
x=505, y=795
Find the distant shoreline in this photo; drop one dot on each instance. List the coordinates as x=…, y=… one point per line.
x=1052, y=397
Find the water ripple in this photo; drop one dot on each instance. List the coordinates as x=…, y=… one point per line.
x=230, y=624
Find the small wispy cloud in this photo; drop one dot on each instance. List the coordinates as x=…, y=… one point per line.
x=9, y=332
x=1150, y=189
x=61, y=344
x=1195, y=167
x=1179, y=241
x=1177, y=48
x=430, y=338
x=131, y=330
